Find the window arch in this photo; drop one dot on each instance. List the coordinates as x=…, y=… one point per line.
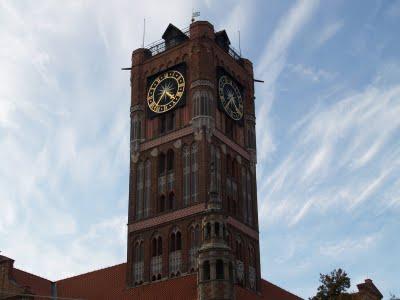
x=216, y=229
x=194, y=240
x=138, y=265
x=175, y=255
x=156, y=259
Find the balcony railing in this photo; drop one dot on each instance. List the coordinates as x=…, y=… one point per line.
x=159, y=46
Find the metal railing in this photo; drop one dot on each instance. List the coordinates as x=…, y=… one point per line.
x=159, y=46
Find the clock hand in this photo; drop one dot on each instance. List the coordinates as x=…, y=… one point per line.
x=170, y=95
x=162, y=95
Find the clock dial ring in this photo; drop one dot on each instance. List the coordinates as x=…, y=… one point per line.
x=165, y=91
x=230, y=97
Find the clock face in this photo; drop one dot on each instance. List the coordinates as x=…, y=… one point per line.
x=230, y=97
x=165, y=91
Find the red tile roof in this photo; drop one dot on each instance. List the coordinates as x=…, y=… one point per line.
x=110, y=284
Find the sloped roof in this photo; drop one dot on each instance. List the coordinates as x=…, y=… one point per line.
x=37, y=285
x=110, y=283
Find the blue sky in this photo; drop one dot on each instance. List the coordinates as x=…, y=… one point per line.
x=327, y=128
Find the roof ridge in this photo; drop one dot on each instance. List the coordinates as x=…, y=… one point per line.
x=31, y=274
x=93, y=271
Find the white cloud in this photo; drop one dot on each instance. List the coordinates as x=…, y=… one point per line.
x=306, y=72
x=270, y=66
x=331, y=149
x=328, y=32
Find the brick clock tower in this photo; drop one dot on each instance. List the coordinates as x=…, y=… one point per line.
x=192, y=185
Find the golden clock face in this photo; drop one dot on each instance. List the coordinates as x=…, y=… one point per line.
x=230, y=97
x=165, y=91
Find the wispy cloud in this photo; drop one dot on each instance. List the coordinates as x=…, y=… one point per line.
x=271, y=64
x=330, y=151
x=328, y=32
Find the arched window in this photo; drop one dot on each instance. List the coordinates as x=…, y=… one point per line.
x=218, y=168
x=219, y=269
x=139, y=190
x=206, y=270
x=156, y=260
x=172, y=242
x=163, y=124
x=170, y=160
x=171, y=200
x=147, y=188
x=178, y=241
x=194, y=246
x=244, y=196
x=216, y=224
x=194, y=169
x=161, y=164
x=162, y=203
x=159, y=246
x=207, y=232
x=138, y=266
x=252, y=268
x=249, y=197
x=186, y=174
x=175, y=255
x=170, y=121
x=154, y=247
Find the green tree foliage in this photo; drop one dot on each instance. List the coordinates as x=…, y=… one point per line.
x=332, y=285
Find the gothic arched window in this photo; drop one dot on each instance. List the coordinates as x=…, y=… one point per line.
x=194, y=172
x=175, y=255
x=156, y=260
x=194, y=246
x=186, y=174
x=139, y=190
x=138, y=266
x=170, y=160
x=147, y=188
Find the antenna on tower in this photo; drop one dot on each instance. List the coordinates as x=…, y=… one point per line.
x=144, y=31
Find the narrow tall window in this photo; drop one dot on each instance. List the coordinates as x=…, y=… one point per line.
x=171, y=201
x=156, y=260
x=244, y=195
x=206, y=270
x=138, y=262
x=175, y=255
x=186, y=174
x=219, y=269
x=170, y=161
x=194, y=172
x=163, y=125
x=218, y=169
x=194, y=247
x=147, y=188
x=249, y=197
x=162, y=203
x=139, y=191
